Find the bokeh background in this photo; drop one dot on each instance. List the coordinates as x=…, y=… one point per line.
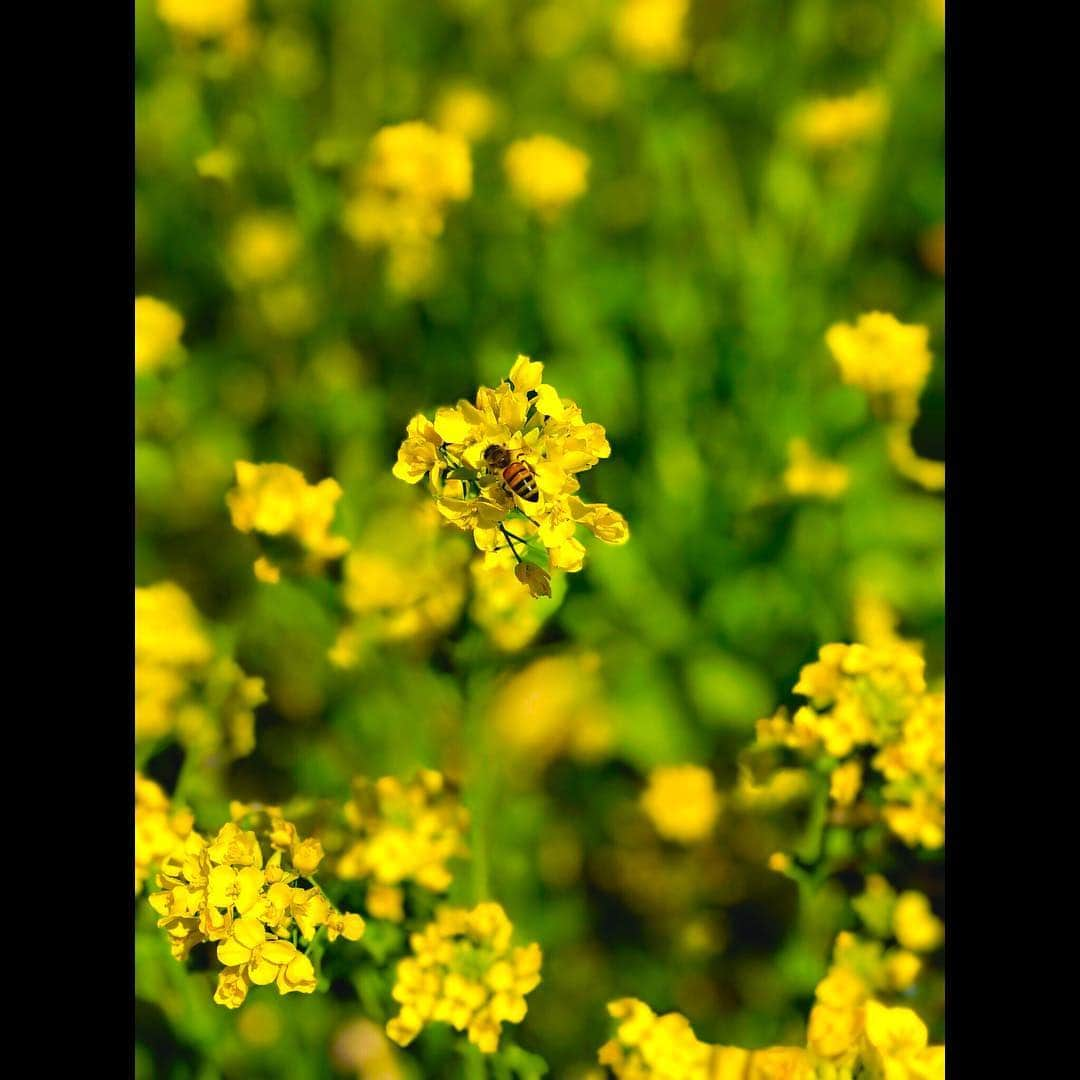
x=682, y=300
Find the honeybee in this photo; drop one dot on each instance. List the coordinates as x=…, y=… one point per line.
x=517, y=475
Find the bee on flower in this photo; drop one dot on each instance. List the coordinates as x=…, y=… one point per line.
x=512, y=459
x=463, y=971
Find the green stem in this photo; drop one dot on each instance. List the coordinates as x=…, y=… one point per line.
x=475, y=1066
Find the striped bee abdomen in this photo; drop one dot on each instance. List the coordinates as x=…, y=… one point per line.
x=520, y=480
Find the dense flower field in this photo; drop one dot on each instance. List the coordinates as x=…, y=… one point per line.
x=539, y=648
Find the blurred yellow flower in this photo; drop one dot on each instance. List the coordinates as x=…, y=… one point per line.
x=887, y=359
x=501, y=606
x=928, y=474
x=651, y=31
x=917, y=927
x=217, y=164
x=831, y=122
x=807, y=474
x=157, y=334
x=263, y=246
x=464, y=972
x=466, y=112
x=682, y=802
x=276, y=500
x=546, y=174
x=158, y=831
x=203, y=18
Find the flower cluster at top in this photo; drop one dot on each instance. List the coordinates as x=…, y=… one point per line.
x=182, y=687
x=407, y=832
x=404, y=580
x=650, y=32
x=829, y=123
x=464, y=972
x=881, y=1043
x=157, y=335
x=277, y=502
x=238, y=892
x=682, y=802
x=542, y=434
x=413, y=173
x=546, y=174
x=870, y=707
x=158, y=831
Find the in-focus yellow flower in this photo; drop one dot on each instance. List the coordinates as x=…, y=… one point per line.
x=203, y=18
x=463, y=971
x=651, y=31
x=888, y=359
x=157, y=334
x=807, y=474
x=546, y=174
x=276, y=500
x=831, y=122
x=525, y=430
x=263, y=246
x=682, y=802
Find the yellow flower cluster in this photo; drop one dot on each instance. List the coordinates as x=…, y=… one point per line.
x=807, y=474
x=650, y=1047
x=464, y=972
x=406, y=832
x=158, y=831
x=466, y=112
x=832, y=122
x=873, y=699
x=862, y=1037
x=886, y=358
x=651, y=31
x=546, y=174
x=181, y=687
x=682, y=802
x=554, y=706
x=203, y=18
x=414, y=172
x=227, y=891
x=526, y=419
x=404, y=580
x=849, y=1028
x=263, y=247
x=157, y=334
x=276, y=501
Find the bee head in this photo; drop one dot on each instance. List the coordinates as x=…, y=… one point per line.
x=497, y=457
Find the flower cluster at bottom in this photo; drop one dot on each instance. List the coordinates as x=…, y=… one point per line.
x=465, y=973
x=890, y=1044
x=225, y=891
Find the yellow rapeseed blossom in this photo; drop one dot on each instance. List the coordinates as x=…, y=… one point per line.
x=403, y=832
x=831, y=122
x=807, y=474
x=157, y=334
x=236, y=890
x=404, y=580
x=544, y=439
x=873, y=698
x=554, y=706
x=182, y=687
x=682, y=802
x=467, y=112
x=276, y=501
x=887, y=359
x=651, y=31
x=917, y=927
x=158, y=831
x=464, y=972
x=203, y=18
x=546, y=174
x=402, y=196
x=263, y=247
